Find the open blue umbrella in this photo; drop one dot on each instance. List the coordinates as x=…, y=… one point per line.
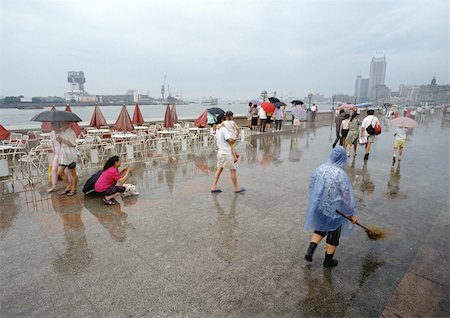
x=363, y=105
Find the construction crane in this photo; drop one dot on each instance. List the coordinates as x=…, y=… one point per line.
x=163, y=87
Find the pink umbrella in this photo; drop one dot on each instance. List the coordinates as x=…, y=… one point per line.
x=97, y=119
x=405, y=122
x=124, y=122
x=169, y=119
x=138, y=119
x=202, y=121
x=346, y=106
x=47, y=126
x=174, y=114
x=74, y=125
x=4, y=134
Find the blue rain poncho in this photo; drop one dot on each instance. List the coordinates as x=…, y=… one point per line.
x=330, y=190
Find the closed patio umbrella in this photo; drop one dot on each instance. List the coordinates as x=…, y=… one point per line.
x=47, y=126
x=201, y=121
x=174, y=114
x=4, y=133
x=124, y=122
x=138, y=119
x=97, y=119
x=74, y=125
x=169, y=120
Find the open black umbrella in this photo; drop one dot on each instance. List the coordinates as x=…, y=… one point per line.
x=297, y=102
x=216, y=111
x=274, y=100
x=56, y=115
x=279, y=104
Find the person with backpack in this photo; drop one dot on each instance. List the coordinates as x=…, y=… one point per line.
x=368, y=130
x=106, y=183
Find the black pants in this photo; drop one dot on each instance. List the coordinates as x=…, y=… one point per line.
x=278, y=124
x=332, y=237
x=263, y=125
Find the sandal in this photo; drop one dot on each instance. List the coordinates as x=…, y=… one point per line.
x=108, y=202
x=65, y=192
x=71, y=194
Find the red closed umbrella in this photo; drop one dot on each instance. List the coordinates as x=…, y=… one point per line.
x=169, y=119
x=268, y=107
x=174, y=114
x=124, y=122
x=4, y=134
x=202, y=121
x=74, y=125
x=138, y=119
x=97, y=119
x=47, y=126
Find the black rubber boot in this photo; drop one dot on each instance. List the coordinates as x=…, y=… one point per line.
x=310, y=251
x=329, y=261
x=366, y=156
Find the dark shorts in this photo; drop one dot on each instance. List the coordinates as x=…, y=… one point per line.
x=69, y=166
x=254, y=121
x=269, y=120
x=332, y=237
x=114, y=189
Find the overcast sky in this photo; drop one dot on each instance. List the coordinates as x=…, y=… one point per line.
x=230, y=49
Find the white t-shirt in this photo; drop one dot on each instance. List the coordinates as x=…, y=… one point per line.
x=313, y=108
x=400, y=133
x=262, y=113
x=222, y=134
x=68, y=154
x=369, y=120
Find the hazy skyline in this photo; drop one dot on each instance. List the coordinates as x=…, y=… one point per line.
x=230, y=49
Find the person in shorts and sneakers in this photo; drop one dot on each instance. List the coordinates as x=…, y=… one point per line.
x=370, y=119
x=225, y=158
x=399, y=143
x=107, y=182
x=68, y=158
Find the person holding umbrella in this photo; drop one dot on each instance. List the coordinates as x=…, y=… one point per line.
x=68, y=158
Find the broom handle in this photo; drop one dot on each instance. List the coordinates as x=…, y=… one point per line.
x=348, y=218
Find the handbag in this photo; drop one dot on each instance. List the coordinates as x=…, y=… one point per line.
x=130, y=190
x=377, y=129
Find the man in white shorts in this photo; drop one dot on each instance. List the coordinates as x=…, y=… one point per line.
x=225, y=158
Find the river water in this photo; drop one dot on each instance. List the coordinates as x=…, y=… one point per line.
x=12, y=118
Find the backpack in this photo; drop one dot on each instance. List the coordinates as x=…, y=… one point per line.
x=377, y=129
x=90, y=183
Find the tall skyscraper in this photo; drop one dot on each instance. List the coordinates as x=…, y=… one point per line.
x=377, y=75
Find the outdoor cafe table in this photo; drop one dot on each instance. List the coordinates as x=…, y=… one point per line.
x=141, y=128
x=98, y=131
x=45, y=135
x=168, y=133
x=123, y=135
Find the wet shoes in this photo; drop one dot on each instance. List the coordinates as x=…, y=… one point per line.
x=310, y=251
x=329, y=261
x=393, y=161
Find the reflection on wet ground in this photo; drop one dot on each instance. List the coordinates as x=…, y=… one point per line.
x=178, y=250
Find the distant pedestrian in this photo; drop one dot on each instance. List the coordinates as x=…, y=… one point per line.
x=262, y=119
x=413, y=114
x=353, y=132
x=314, y=110
x=295, y=124
x=399, y=143
x=344, y=128
x=337, y=121
x=68, y=159
x=329, y=190
x=279, y=115
x=224, y=157
x=255, y=116
x=56, y=156
x=249, y=115
x=369, y=120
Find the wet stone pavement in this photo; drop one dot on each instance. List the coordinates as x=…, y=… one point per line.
x=177, y=250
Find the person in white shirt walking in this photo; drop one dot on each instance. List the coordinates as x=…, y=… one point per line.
x=370, y=119
x=262, y=118
x=68, y=158
x=225, y=158
x=399, y=143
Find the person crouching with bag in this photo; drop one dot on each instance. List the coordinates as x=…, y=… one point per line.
x=106, y=184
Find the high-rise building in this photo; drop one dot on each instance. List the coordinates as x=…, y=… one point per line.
x=377, y=75
x=76, y=91
x=361, y=88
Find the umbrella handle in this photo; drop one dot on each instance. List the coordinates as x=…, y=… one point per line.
x=348, y=218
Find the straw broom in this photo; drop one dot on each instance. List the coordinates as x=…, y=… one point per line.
x=373, y=233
